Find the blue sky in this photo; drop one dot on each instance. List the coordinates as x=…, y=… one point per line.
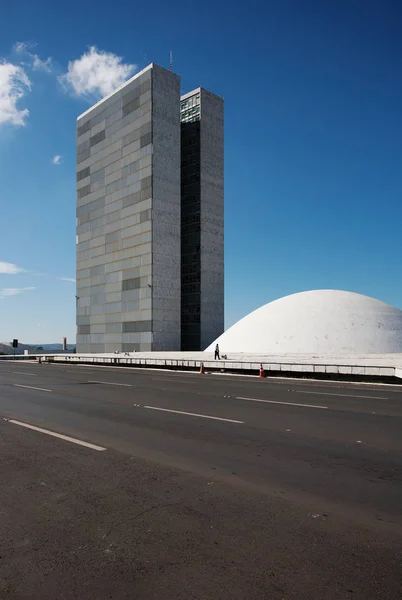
x=313, y=97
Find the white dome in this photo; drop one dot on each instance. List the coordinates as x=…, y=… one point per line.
x=318, y=322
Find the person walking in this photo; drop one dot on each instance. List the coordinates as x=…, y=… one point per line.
x=217, y=356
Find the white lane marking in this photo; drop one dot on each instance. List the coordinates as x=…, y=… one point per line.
x=22, y=373
x=111, y=383
x=58, y=435
x=30, y=387
x=277, y=402
x=173, y=379
x=180, y=412
x=343, y=395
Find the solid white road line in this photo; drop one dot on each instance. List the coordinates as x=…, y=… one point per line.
x=342, y=395
x=22, y=373
x=30, y=387
x=277, y=402
x=180, y=412
x=111, y=383
x=58, y=435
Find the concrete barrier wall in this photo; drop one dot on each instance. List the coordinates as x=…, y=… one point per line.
x=246, y=367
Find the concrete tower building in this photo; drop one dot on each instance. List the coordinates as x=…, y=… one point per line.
x=202, y=214
x=130, y=202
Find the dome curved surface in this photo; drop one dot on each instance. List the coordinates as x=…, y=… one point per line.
x=318, y=322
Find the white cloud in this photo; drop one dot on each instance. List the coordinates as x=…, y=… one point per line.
x=14, y=83
x=57, y=159
x=37, y=63
x=96, y=73
x=70, y=279
x=7, y=268
x=14, y=291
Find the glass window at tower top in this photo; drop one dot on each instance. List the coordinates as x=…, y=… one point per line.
x=190, y=109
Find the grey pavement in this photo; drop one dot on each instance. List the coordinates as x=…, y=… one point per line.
x=208, y=487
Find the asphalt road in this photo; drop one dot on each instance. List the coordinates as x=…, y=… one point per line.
x=197, y=487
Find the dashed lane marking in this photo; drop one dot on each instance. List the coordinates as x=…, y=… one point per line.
x=112, y=383
x=342, y=395
x=277, y=402
x=30, y=387
x=22, y=373
x=180, y=412
x=58, y=435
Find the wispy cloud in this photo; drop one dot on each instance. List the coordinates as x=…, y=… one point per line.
x=23, y=47
x=96, y=73
x=41, y=65
x=57, y=159
x=37, y=64
x=14, y=84
x=7, y=268
x=5, y=292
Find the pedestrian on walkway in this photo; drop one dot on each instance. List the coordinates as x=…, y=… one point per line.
x=217, y=356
